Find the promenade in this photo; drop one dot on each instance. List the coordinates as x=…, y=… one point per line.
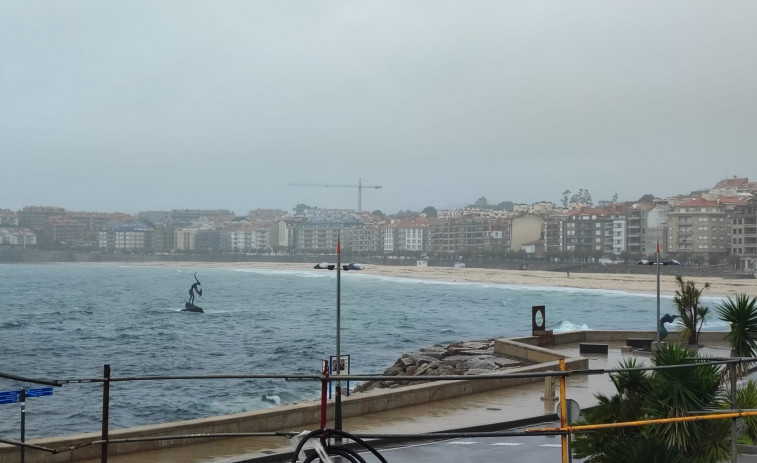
x=435, y=406
x=471, y=411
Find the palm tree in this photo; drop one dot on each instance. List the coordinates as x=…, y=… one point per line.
x=677, y=392
x=741, y=313
x=664, y=393
x=687, y=301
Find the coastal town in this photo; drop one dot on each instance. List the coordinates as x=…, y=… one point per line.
x=714, y=227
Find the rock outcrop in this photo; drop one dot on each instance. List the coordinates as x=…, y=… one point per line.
x=460, y=358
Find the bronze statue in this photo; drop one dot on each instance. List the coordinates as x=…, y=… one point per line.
x=667, y=318
x=194, y=289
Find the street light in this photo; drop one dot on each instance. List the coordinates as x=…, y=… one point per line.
x=646, y=261
x=338, y=268
x=338, y=402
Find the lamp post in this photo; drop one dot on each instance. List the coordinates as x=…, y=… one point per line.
x=338, y=369
x=657, y=262
x=338, y=402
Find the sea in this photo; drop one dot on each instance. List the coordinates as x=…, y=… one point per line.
x=66, y=321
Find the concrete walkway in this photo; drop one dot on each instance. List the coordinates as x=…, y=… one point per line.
x=504, y=405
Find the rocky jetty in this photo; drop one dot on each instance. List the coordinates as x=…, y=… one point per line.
x=460, y=358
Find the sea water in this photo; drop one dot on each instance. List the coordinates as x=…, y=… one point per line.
x=64, y=321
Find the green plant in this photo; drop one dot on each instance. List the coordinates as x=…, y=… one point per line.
x=663, y=393
x=687, y=301
x=741, y=313
x=746, y=399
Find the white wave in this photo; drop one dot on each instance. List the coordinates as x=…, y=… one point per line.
x=295, y=273
x=271, y=398
x=564, y=326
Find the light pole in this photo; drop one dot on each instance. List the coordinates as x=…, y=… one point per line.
x=338, y=402
x=646, y=261
x=338, y=369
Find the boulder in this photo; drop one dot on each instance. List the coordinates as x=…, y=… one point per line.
x=418, y=358
x=461, y=358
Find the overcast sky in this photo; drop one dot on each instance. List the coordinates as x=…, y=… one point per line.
x=154, y=105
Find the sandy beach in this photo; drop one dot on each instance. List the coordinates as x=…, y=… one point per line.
x=719, y=287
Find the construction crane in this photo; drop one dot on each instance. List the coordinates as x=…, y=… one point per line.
x=359, y=187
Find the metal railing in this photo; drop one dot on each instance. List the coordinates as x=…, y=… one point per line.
x=564, y=430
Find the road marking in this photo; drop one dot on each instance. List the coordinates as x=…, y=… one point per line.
x=508, y=443
x=550, y=445
x=463, y=442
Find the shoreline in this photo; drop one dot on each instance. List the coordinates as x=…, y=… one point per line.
x=631, y=283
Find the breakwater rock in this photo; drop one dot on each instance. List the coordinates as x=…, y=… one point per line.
x=460, y=358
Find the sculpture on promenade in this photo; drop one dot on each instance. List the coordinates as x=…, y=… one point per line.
x=667, y=318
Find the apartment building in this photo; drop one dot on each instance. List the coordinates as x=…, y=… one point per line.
x=127, y=236
x=656, y=230
x=497, y=237
x=636, y=224
x=466, y=234
x=554, y=229
x=743, y=222
x=584, y=232
x=615, y=235
x=201, y=215
x=37, y=218
x=525, y=228
x=320, y=233
x=699, y=227
x=67, y=231
x=279, y=235
x=163, y=238
x=409, y=235
x=14, y=236
x=185, y=239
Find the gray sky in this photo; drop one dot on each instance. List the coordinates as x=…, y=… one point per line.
x=152, y=105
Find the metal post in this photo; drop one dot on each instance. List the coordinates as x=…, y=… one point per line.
x=657, y=335
x=324, y=387
x=106, y=407
x=338, y=404
x=22, y=400
x=736, y=405
x=563, y=415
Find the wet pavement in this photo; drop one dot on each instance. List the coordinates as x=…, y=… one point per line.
x=489, y=408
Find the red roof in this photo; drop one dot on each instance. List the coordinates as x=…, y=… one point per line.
x=699, y=202
x=731, y=200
